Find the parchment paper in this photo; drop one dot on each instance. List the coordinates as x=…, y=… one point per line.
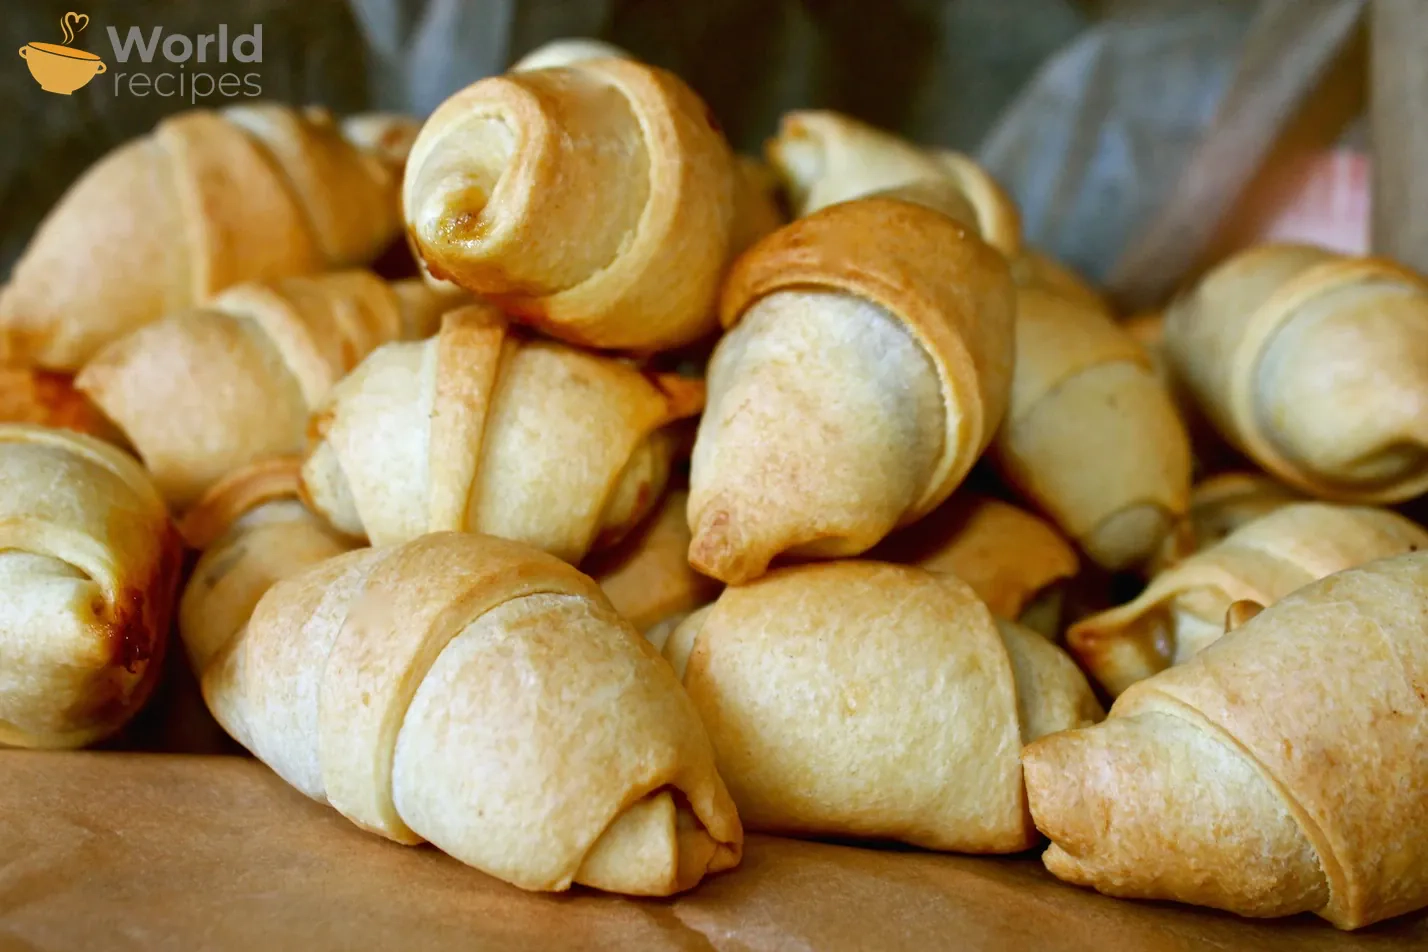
x=152, y=852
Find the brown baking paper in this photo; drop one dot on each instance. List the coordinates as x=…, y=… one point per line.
x=154, y=852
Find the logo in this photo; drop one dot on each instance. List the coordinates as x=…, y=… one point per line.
x=60, y=68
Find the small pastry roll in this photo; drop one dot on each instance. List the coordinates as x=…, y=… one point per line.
x=386, y=136
x=1284, y=771
x=238, y=378
x=50, y=399
x=872, y=700
x=479, y=429
x=88, y=569
x=866, y=367
x=1183, y=609
x=253, y=532
x=481, y=695
x=826, y=157
x=1091, y=436
x=205, y=201
x=756, y=210
x=1315, y=366
x=1012, y=559
x=594, y=201
x=1218, y=506
x=647, y=577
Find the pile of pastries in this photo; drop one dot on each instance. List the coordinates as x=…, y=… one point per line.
x=682, y=493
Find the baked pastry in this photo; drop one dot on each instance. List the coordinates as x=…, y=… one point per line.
x=825, y=157
x=41, y=397
x=1314, y=365
x=1013, y=561
x=756, y=209
x=866, y=366
x=253, y=532
x=866, y=699
x=1218, y=506
x=207, y=200
x=592, y=200
x=480, y=429
x=1183, y=609
x=238, y=377
x=1283, y=771
x=1091, y=435
x=481, y=695
x=88, y=568
x=647, y=577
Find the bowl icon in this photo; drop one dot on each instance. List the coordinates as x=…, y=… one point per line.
x=60, y=69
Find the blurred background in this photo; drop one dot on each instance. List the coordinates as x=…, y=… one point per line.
x=1087, y=111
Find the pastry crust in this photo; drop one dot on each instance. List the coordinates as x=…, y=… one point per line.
x=239, y=377
x=1314, y=365
x=885, y=303
x=825, y=157
x=484, y=696
x=873, y=700
x=1218, y=506
x=1281, y=772
x=1183, y=610
x=594, y=201
x=35, y=396
x=1008, y=556
x=207, y=200
x=480, y=429
x=1092, y=436
x=88, y=566
x=647, y=577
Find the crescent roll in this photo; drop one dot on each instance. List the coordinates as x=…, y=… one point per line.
x=238, y=378
x=1285, y=770
x=825, y=157
x=88, y=569
x=1091, y=435
x=594, y=201
x=872, y=700
x=205, y=201
x=647, y=577
x=480, y=429
x=866, y=366
x=1013, y=560
x=481, y=695
x=1183, y=610
x=1314, y=365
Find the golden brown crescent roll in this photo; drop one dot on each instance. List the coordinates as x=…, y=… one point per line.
x=756, y=210
x=1218, y=506
x=1285, y=770
x=1091, y=436
x=866, y=367
x=647, y=577
x=207, y=200
x=592, y=200
x=1012, y=559
x=480, y=429
x=481, y=695
x=88, y=566
x=1183, y=609
x=874, y=700
x=35, y=396
x=1314, y=365
x=238, y=377
x=253, y=532
x=825, y=157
